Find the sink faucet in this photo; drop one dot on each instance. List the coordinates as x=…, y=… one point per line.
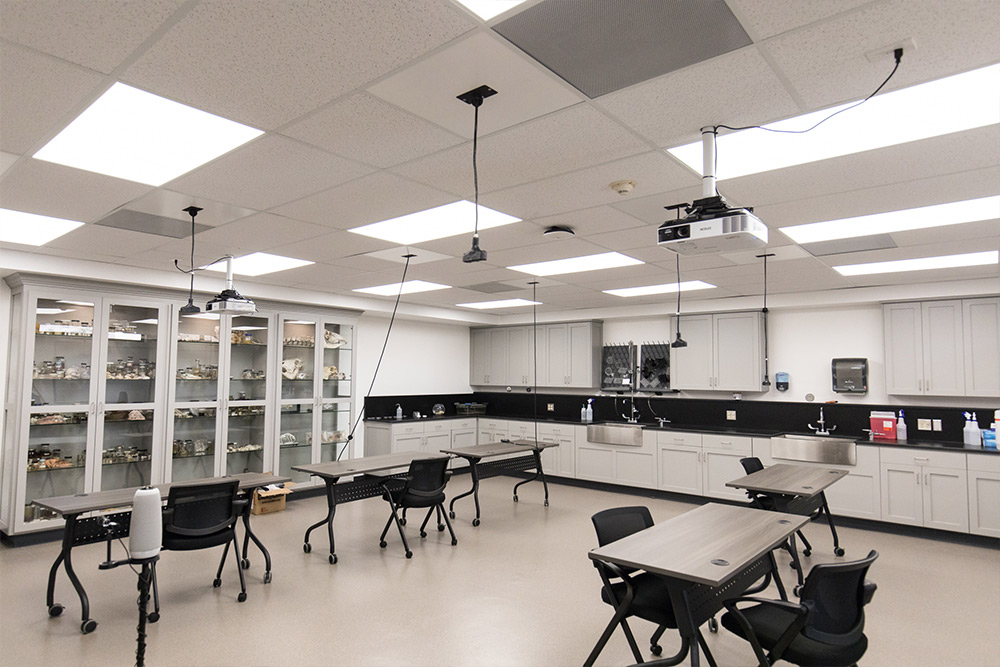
x=822, y=425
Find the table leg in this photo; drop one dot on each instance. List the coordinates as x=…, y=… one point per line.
x=249, y=535
x=87, y=624
x=474, y=491
x=793, y=549
x=331, y=502
x=539, y=473
x=833, y=529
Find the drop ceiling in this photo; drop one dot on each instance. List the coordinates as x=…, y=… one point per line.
x=357, y=101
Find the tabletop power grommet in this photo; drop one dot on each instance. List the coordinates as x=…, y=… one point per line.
x=784, y=521
x=720, y=562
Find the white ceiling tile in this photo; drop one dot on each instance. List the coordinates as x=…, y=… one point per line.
x=7, y=161
x=429, y=87
x=626, y=239
x=260, y=232
x=267, y=172
x=366, y=129
x=63, y=192
x=379, y=196
x=572, y=247
x=826, y=63
x=987, y=231
x=170, y=204
x=780, y=253
x=98, y=34
x=37, y=92
x=668, y=259
x=767, y=19
x=593, y=220
x=589, y=187
x=408, y=254
x=106, y=241
x=338, y=247
x=671, y=110
x=266, y=63
x=651, y=209
x=559, y=142
x=516, y=235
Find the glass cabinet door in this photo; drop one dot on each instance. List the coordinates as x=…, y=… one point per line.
x=298, y=354
x=193, y=450
x=246, y=432
x=197, y=375
x=127, y=452
x=63, y=353
x=295, y=440
x=335, y=425
x=337, y=339
x=57, y=459
x=130, y=372
x=248, y=358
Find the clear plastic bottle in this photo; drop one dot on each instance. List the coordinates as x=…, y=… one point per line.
x=590, y=410
x=583, y=412
x=900, y=428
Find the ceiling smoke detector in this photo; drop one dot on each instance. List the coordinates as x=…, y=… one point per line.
x=623, y=187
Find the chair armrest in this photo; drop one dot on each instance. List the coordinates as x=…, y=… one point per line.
x=868, y=592
x=803, y=611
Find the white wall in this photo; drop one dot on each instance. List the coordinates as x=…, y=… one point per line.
x=5, y=318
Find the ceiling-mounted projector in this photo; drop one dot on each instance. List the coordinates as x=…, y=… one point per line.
x=230, y=301
x=712, y=226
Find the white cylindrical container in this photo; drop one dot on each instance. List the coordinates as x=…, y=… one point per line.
x=146, y=532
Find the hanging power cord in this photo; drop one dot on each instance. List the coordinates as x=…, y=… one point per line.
x=763, y=311
x=392, y=318
x=475, y=97
x=897, y=54
x=534, y=354
x=679, y=342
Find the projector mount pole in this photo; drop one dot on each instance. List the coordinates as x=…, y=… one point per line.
x=708, y=135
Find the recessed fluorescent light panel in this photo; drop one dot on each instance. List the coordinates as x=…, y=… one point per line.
x=76, y=303
x=669, y=288
x=503, y=303
x=939, y=215
x=151, y=320
x=921, y=264
x=487, y=9
x=250, y=328
x=409, y=287
x=605, y=260
x=131, y=134
x=31, y=229
x=435, y=223
x=203, y=316
x=910, y=114
x=53, y=311
x=259, y=263
x=297, y=322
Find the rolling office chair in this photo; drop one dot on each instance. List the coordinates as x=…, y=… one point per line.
x=826, y=627
x=423, y=486
x=202, y=516
x=645, y=595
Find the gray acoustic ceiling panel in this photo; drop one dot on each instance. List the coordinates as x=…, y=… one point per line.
x=858, y=244
x=148, y=223
x=600, y=46
x=493, y=288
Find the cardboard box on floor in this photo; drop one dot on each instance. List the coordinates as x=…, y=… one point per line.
x=268, y=501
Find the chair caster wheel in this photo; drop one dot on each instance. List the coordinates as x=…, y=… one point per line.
x=245, y=563
x=797, y=591
x=793, y=565
x=216, y=583
x=515, y=497
x=307, y=547
x=451, y=515
x=440, y=527
x=409, y=554
x=88, y=626
x=838, y=551
x=154, y=617
x=807, y=552
x=267, y=577
x=423, y=533
x=475, y=522
x=382, y=544
x=546, y=503
x=56, y=610
x=454, y=542
x=655, y=649
x=402, y=522
x=713, y=625
x=242, y=597
x=333, y=559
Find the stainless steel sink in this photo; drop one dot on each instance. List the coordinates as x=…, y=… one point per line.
x=629, y=435
x=815, y=448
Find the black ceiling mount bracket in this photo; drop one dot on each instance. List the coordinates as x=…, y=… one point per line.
x=192, y=210
x=476, y=96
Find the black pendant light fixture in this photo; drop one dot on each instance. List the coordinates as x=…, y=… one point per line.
x=190, y=308
x=475, y=97
x=678, y=342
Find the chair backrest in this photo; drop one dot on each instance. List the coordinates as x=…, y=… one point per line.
x=751, y=464
x=619, y=522
x=838, y=594
x=201, y=509
x=427, y=477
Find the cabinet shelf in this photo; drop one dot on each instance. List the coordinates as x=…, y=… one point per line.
x=81, y=423
x=250, y=450
x=71, y=336
x=197, y=342
x=196, y=379
x=297, y=445
x=130, y=379
x=191, y=456
x=302, y=347
x=247, y=379
x=62, y=379
x=31, y=470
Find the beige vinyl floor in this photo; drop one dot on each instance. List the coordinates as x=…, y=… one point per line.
x=517, y=590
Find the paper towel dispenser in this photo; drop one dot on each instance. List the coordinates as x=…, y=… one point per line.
x=850, y=376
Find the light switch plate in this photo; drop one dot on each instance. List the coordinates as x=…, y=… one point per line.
x=923, y=424
x=731, y=415
x=937, y=424
x=551, y=407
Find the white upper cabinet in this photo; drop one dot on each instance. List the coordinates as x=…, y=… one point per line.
x=724, y=353
x=565, y=355
x=981, y=323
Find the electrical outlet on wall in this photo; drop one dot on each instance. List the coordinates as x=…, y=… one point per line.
x=731, y=415
x=937, y=424
x=923, y=424
x=551, y=407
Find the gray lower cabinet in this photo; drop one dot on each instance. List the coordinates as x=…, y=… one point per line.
x=618, y=464
x=700, y=464
x=925, y=488
x=984, y=494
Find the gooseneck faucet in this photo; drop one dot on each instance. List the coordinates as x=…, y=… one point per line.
x=822, y=430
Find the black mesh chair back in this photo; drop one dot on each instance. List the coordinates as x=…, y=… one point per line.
x=423, y=487
x=202, y=516
x=751, y=464
x=613, y=524
x=838, y=594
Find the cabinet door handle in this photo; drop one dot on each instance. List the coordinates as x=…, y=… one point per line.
x=920, y=458
x=927, y=479
x=100, y=407
x=92, y=408
x=726, y=444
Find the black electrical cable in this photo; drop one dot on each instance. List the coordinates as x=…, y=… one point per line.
x=475, y=170
x=392, y=318
x=898, y=54
x=534, y=354
x=767, y=380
